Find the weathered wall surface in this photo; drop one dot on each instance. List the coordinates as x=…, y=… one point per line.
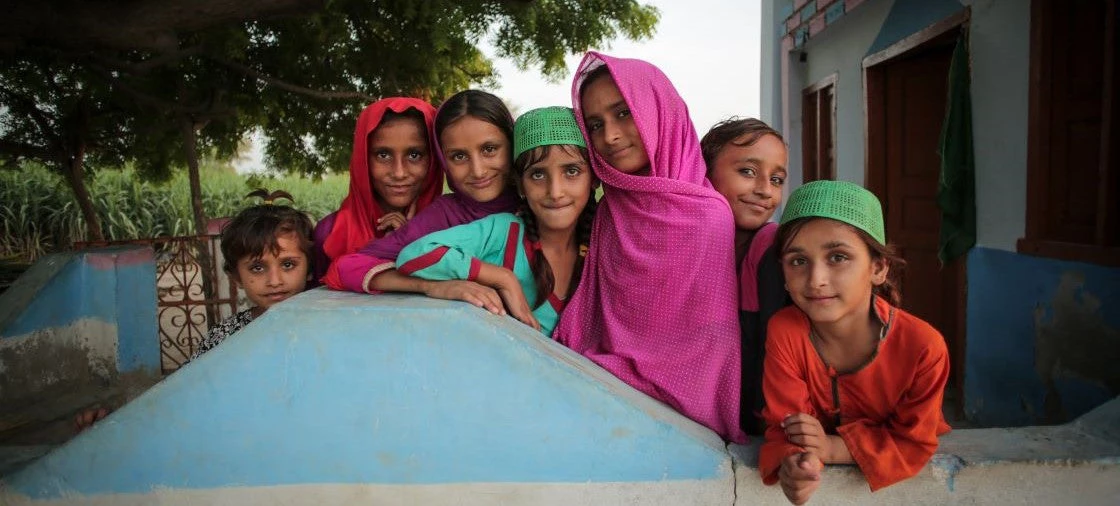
x=76, y=318
x=1043, y=338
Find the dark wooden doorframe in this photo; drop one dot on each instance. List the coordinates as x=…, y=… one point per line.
x=876, y=162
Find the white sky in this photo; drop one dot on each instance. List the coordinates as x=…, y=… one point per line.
x=710, y=49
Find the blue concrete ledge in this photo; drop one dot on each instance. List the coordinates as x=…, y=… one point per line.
x=336, y=388
x=337, y=398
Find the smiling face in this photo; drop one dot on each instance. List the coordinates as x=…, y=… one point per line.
x=398, y=162
x=476, y=155
x=830, y=271
x=611, y=126
x=751, y=178
x=275, y=275
x=557, y=188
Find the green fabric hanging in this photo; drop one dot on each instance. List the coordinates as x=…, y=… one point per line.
x=956, y=190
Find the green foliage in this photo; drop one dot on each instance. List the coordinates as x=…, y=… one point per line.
x=39, y=215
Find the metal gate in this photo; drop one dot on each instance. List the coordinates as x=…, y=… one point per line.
x=193, y=292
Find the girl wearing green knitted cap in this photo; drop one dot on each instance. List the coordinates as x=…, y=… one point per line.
x=849, y=378
x=532, y=259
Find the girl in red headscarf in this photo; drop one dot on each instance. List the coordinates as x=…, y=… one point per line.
x=393, y=174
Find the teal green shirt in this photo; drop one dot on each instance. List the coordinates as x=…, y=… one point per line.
x=458, y=253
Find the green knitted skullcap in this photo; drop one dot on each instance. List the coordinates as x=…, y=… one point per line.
x=546, y=126
x=839, y=200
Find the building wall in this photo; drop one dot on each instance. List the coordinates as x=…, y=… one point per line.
x=1013, y=375
x=840, y=50
x=76, y=318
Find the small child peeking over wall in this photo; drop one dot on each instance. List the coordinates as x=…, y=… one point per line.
x=848, y=377
x=267, y=250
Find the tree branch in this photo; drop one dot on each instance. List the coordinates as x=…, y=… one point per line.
x=28, y=106
x=286, y=86
x=128, y=24
x=20, y=149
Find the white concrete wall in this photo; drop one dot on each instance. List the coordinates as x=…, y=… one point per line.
x=1000, y=37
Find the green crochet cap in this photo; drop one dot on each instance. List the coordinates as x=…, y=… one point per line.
x=839, y=200
x=546, y=126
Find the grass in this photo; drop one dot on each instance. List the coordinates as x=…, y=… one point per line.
x=39, y=215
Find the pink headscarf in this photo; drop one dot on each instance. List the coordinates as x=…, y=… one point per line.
x=657, y=303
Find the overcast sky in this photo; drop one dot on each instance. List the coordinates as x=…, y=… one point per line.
x=710, y=49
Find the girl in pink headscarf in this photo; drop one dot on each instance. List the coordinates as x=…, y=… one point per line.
x=657, y=303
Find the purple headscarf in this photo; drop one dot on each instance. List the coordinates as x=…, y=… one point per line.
x=657, y=302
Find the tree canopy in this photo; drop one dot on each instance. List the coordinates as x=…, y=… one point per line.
x=153, y=82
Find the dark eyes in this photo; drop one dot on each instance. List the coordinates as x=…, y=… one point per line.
x=594, y=125
x=573, y=171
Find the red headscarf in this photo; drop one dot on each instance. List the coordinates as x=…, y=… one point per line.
x=356, y=220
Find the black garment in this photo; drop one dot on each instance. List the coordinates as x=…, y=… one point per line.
x=772, y=296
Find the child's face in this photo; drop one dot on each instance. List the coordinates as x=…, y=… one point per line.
x=830, y=272
x=751, y=179
x=273, y=278
x=477, y=157
x=398, y=163
x=614, y=135
x=558, y=188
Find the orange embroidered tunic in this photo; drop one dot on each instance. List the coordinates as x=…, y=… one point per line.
x=888, y=413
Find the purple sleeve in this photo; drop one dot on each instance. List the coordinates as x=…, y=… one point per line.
x=319, y=260
x=432, y=219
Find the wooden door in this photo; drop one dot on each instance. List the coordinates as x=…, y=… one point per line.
x=906, y=104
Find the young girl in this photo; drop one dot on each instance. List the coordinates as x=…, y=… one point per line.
x=746, y=162
x=849, y=377
x=393, y=175
x=657, y=301
x=473, y=133
x=267, y=250
x=531, y=259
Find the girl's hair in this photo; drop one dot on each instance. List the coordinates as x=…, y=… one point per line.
x=256, y=228
x=477, y=104
x=725, y=132
x=542, y=271
x=888, y=289
x=408, y=114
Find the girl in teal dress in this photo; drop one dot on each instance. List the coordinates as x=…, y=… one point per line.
x=531, y=260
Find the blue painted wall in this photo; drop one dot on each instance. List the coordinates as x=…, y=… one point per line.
x=1043, y=338
x=343, y=388
x=111, y=285
x=910, y=16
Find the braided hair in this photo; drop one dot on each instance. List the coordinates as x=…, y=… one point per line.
x=542, y=271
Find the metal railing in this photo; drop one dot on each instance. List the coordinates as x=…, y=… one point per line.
x=193, y=292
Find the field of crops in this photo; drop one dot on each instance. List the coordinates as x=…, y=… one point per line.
x=39, y=215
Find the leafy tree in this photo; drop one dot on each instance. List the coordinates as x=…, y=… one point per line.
x=155, y=81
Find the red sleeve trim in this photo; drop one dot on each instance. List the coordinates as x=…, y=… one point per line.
x=423, y=261
x=557, y=304
x=476, y=267
x=511, y=246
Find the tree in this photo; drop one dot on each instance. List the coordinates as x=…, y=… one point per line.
x=151, y=81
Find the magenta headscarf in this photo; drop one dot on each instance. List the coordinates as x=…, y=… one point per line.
x=657, y=302
x=349, y=271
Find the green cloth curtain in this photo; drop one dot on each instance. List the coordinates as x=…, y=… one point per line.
x=956, y=192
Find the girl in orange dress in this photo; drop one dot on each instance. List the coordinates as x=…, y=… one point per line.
x=849, y=378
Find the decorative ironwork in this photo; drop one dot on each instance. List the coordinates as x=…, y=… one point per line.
x=186, y=269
